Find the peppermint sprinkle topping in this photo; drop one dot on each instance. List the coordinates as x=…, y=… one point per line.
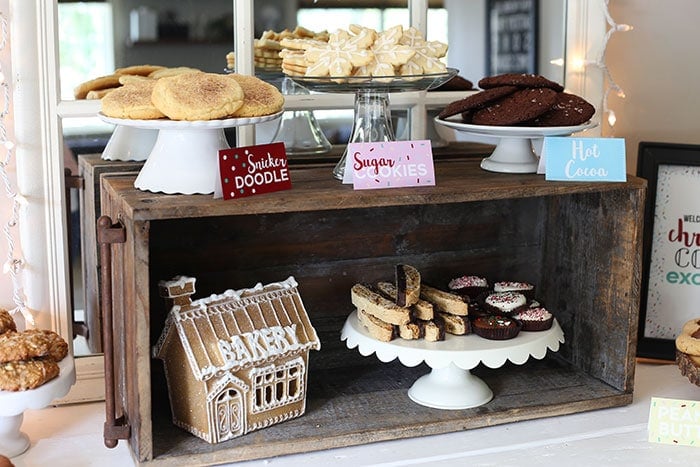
x=467, y=281
x=506, y=286
x=506, y=301
x=534, y=314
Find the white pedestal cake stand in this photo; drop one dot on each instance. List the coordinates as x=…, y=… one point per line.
x=185, y=156
x=129, y=144
x=13, y=404
x=450, y=385
x=514, y=152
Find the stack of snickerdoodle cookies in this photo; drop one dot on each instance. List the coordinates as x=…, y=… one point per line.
x=183, y=93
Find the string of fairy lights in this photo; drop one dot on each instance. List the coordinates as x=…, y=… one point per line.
x=14, y=264
x=612, y=86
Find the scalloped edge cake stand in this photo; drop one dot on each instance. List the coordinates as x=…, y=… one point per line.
x=13, y=442
x=129, y=144
x=450, y=385
x=185, y=156
x=514, y=151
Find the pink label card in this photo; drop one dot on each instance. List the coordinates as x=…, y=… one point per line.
x=253, y=170
x=390, y=164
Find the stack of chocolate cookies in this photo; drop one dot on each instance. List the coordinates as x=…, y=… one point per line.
x=520, y=100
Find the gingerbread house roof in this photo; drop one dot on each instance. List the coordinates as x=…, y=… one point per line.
x=240, y=328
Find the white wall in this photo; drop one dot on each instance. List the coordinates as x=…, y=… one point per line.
x=658, y=66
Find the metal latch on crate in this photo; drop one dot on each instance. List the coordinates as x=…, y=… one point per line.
x=109, y=233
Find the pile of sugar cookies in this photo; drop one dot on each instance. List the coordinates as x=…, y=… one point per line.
x=187, y=94
x=514, y=99
x=267, y=47
x=28, y=359
x=361, y=51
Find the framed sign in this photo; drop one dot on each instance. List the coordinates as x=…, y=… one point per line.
x=670, y=291
x=511, y=36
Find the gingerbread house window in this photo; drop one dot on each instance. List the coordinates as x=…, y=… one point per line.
x=275, y=386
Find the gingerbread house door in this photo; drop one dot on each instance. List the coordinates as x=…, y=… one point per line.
x=229, y=414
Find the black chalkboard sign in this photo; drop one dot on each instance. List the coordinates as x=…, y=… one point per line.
x=511, y=36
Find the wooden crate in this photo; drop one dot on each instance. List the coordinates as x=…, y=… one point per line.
x=92, y=168
x=580, y=243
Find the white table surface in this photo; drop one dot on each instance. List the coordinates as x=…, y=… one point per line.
x=72, y=436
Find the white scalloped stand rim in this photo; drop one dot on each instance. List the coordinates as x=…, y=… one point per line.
x=13, y=404
x=184, y=157
x=450, y=385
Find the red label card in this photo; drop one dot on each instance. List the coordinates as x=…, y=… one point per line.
x=253, y=170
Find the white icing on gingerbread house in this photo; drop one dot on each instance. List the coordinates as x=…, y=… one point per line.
x=235, y=362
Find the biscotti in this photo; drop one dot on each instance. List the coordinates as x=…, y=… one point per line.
x=376, y=305
x=377, y=328
x=444, y=301
x=422, y=309
x=407, y=285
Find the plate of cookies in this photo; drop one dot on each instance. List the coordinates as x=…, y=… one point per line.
x=516, y=109
x=189, y=111
x=35, y=369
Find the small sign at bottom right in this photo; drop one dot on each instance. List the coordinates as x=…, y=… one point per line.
x=674, y=421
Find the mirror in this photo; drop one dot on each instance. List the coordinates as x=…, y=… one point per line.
x=42, y=115
x=199, y=33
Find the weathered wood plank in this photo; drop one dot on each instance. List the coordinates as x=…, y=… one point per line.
x=368, y=404
x=91, y=169
x=314, y=189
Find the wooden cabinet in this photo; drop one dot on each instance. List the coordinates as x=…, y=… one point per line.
x=580, y=243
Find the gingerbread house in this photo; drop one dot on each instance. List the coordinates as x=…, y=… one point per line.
x=235, y=362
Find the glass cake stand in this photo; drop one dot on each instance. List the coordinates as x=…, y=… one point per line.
x=13, y=404
x=450, y=385
x=372, y=117
x=299, y=129
x=185, y=156
x=514, y=150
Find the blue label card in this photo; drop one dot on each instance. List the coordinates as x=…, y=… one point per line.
x=584, y=159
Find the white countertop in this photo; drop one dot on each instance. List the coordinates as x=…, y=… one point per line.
x=72, y=436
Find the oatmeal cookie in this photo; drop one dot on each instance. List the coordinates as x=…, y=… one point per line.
x=7, y=324
x=21, y=346
x=58, y=347
x=27, y=374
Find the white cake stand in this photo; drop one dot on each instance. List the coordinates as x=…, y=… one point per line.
x=514, y=152
x=185, y=156
x=450, y=385
x=13, y=404
x=129, y=144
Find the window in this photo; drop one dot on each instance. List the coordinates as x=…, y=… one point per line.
x=276, y=386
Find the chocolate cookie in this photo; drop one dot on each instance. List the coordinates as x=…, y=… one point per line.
x=27, y=374
x=476, y=101
x=456, y=83
x=521, y=106
x=521, y=80
x=569, y=110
